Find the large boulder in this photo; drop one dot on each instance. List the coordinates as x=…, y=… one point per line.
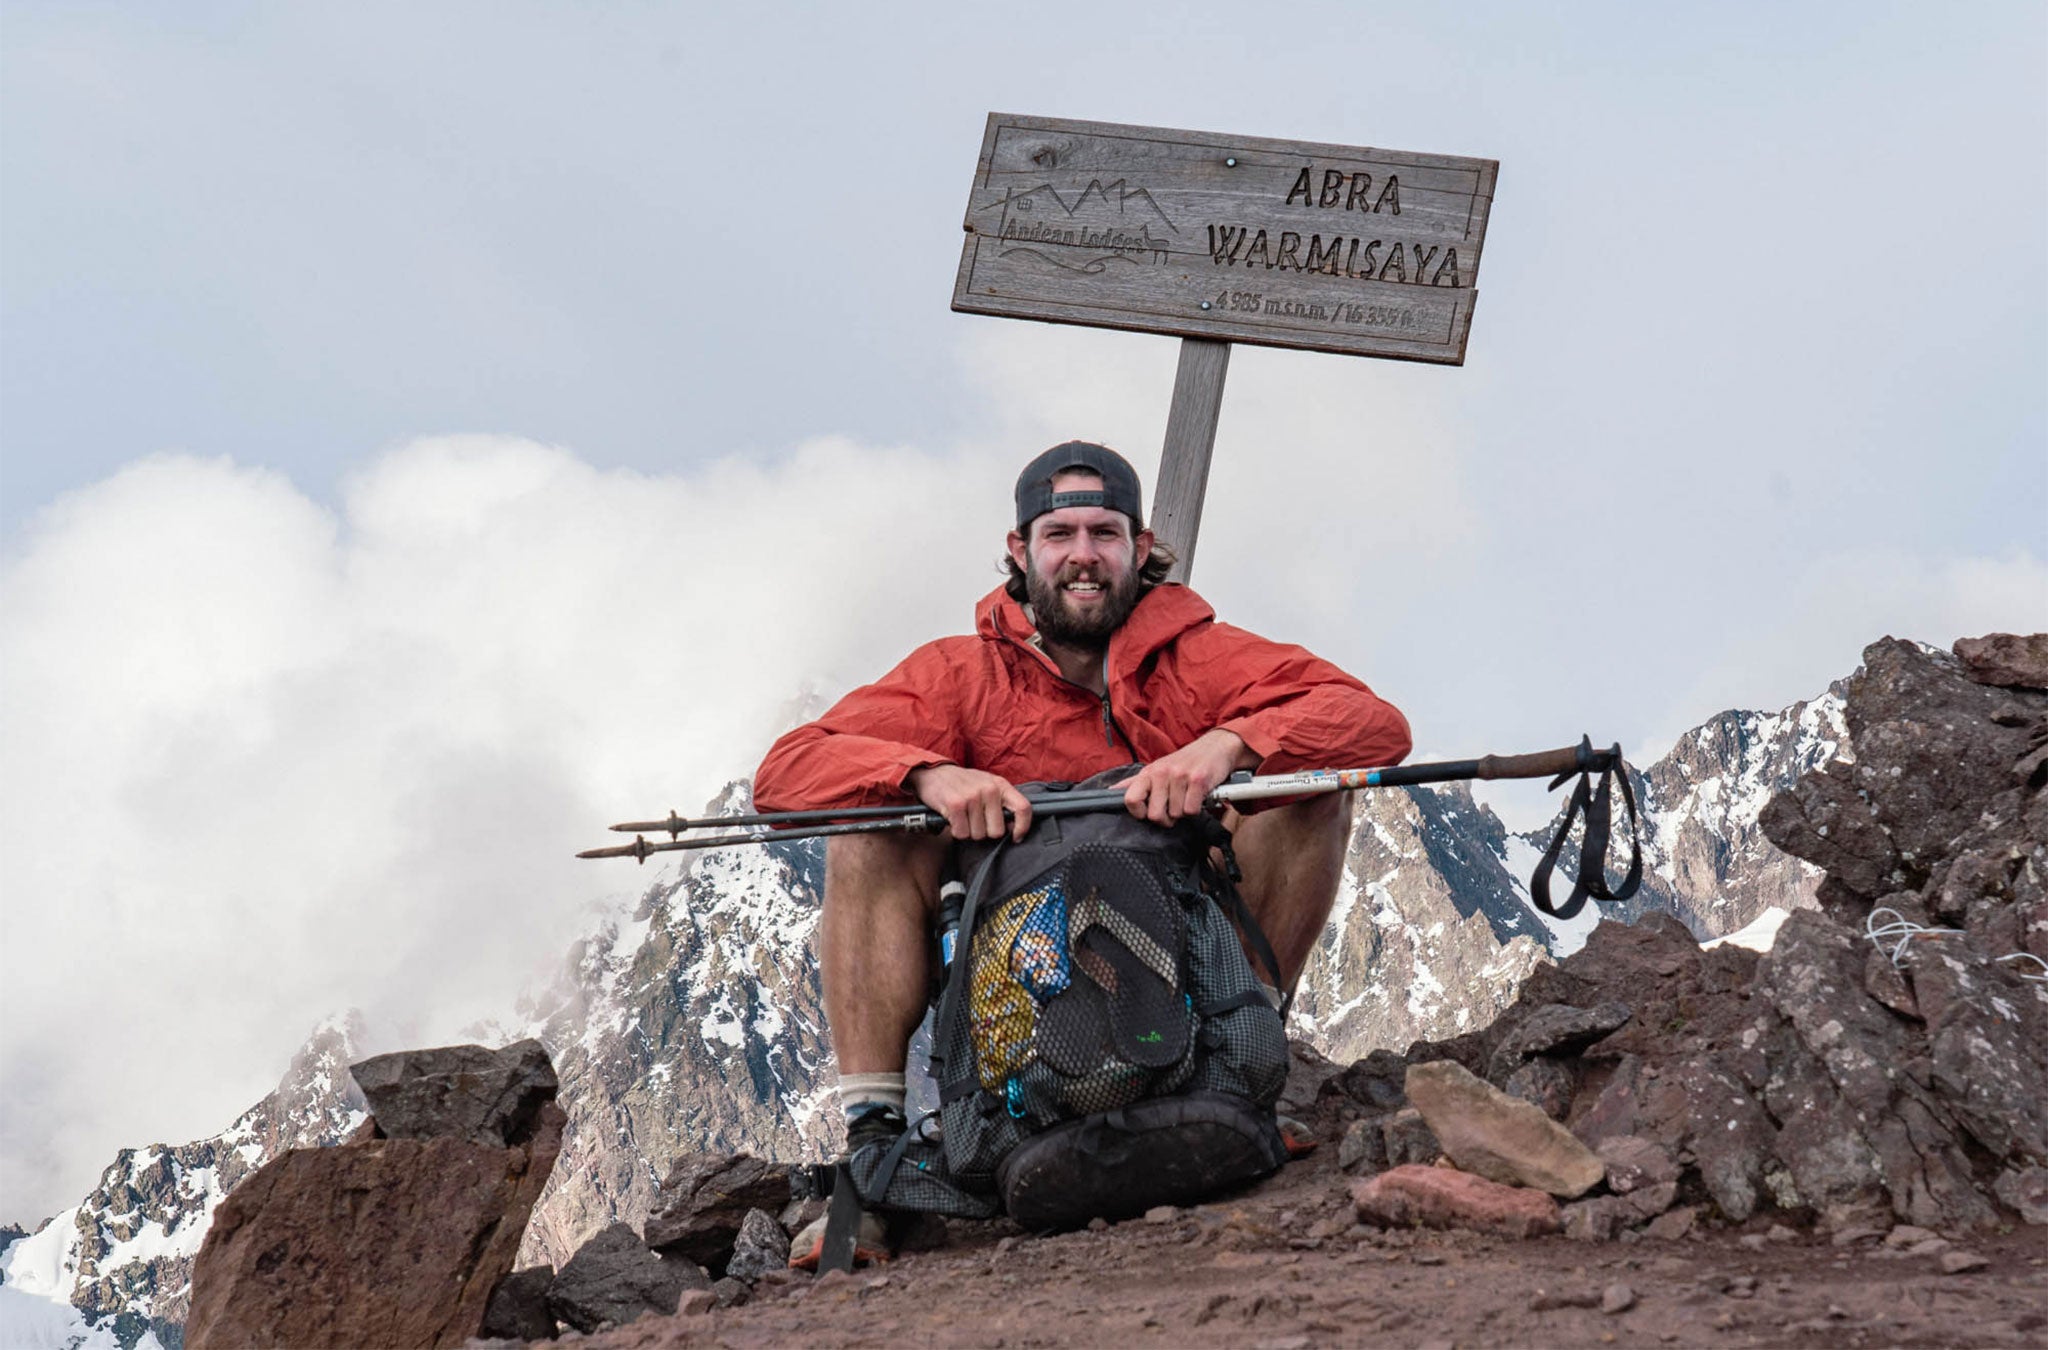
x=1505, y=1139
x=614, y=1279
x=518, y=1308
x=1921, y=1055
x=458, y=1092
x=1933, y=750
x=1856, y=1129
x=2010, y=659
x=378, y=1242
x=704, y=1200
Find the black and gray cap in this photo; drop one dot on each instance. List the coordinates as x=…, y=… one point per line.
x=1119, y=490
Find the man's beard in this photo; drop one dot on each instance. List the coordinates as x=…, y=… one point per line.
x=1059, y=623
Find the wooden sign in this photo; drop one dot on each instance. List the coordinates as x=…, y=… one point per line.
x=1230, y=238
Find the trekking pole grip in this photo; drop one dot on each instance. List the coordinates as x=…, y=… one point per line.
x=1543, y=764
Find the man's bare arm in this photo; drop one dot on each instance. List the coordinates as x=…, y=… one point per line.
x=972, y=801
x=1172, y=787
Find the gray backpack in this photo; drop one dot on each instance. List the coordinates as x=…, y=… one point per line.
x=1100, y=1045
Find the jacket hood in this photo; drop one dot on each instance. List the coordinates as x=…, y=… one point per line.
x=1163, y=614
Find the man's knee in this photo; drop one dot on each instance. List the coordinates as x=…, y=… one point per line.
x=1294, y=854
x=1326, y=811
x=862, y=870
x=1325, y=816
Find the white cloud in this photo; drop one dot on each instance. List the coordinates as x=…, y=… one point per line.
x=1790, y=642
x=265, y=760
x=1800, y=636
x=268, y=759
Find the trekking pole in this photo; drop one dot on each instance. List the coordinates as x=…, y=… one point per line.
x=825, y=824
x=1557, y=765
x=901, y=820
x=1595, y=803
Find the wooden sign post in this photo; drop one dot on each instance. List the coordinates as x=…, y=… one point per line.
x=1220, y=239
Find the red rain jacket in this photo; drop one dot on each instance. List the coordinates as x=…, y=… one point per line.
x=995, y=702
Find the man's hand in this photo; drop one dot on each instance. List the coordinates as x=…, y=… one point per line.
x=1169, y=788
x=972, y=802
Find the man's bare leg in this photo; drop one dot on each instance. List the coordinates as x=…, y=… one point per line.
x=1293, y=859
x=874, y=942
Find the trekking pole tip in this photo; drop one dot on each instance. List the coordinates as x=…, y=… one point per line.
x=675, y=825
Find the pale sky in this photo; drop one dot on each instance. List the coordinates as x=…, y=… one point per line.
x=428, y=433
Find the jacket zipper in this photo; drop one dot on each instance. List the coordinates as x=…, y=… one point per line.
x=1111, y=732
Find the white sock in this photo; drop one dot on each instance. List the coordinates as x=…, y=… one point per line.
x=858, y=1091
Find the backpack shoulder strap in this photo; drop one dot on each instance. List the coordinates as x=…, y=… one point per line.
x=1224, y=885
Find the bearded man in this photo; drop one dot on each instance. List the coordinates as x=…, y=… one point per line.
x=1084, y=660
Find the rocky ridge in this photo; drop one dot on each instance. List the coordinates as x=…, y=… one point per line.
x=1883, y=1063
x=690, y=1018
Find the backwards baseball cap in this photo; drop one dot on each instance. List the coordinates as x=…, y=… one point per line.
x=1119, y=490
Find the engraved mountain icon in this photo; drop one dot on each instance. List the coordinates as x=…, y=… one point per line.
x=1097, y=190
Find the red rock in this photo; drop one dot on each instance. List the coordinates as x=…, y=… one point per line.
x=1440, y=1197
x=389, y=1242
x=2014, y=660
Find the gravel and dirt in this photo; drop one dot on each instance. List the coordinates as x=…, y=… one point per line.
x=1284, y=1265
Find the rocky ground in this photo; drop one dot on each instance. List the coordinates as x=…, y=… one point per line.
x=1285, y=1265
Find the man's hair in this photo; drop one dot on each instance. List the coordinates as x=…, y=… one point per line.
x=1151, y=574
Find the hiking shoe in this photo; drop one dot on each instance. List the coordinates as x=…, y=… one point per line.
x=870, y=1244
x=876, y=1127
x=1299, y=1139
